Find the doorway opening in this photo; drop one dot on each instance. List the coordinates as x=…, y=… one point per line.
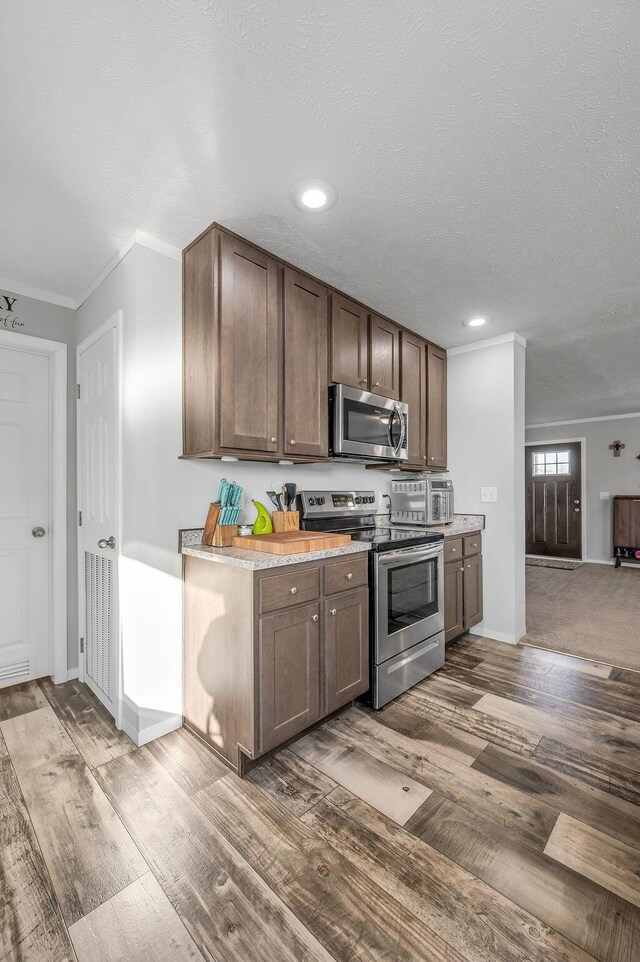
x=554, y=478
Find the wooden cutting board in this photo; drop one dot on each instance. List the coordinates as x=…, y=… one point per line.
x=292, y=542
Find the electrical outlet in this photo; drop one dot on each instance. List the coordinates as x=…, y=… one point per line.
x=489, y=494
x=604, y=495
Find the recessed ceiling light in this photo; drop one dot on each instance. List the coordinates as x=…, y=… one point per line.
x=476, y=322
x=313, y=195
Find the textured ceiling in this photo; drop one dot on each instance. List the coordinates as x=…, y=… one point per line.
x=485, y=153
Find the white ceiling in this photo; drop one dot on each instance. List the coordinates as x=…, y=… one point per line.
x=486, y=155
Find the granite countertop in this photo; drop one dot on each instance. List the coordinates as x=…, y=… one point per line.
x=461, y=525
x=258, y=560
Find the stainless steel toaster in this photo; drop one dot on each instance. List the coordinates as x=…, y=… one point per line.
x=423, y=501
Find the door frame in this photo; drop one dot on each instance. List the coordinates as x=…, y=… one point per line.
x=56, y=351
x=583, y=485
x=112, y=323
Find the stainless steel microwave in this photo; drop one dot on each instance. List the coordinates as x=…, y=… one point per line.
x=367, y=427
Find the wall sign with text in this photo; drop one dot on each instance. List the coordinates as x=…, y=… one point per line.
x=9, y=318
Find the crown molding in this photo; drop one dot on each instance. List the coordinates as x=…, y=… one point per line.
x=143, y=240
x=488, y=342
x=23, y=290
x=553, y=424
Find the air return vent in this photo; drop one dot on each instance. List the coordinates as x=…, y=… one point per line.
x=98, y=617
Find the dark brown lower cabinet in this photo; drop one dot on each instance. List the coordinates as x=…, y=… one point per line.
x=289, y=679
x=463, y=588
x=346, y=618
x=269, y=653
x=453, y=599
x=472, y=591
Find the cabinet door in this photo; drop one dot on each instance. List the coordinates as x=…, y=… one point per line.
x=472, y=591
x=347, y=647
x=306, y=323
x=453, y=600
x=249, y=329
x=436, y=407
x=289, y=674
x=413, y=384
x=384, y=357
x=349, y=343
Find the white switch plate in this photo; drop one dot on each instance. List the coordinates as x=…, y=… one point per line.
x=489, y=494
x=604, y=495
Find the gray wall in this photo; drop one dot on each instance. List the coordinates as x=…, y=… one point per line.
x=40, y=319
x=603, y=472
x=486, y=448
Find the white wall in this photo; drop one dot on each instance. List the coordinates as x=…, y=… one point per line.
x=603, y=472
x=162, y=493
x=54, y=323
x=486, y=448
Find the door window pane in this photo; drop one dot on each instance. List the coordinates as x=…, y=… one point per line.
x=556, y=462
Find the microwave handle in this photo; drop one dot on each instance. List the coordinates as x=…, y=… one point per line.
x=401, y=421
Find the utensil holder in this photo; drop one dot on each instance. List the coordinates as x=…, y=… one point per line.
x=224, y=534
x=285, y=521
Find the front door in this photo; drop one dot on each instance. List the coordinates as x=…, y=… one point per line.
x=24, y=516
x=98, y=504
x=553, y=475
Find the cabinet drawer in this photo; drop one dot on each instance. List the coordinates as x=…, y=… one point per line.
x=472, y=544
x=342, y=575
x=292, y=587
x=453, y=549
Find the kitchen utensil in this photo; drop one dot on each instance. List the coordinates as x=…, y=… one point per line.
x=292, y=490
x=283, y=497
x=277, y=487
x=262, y=525
x=274, y=500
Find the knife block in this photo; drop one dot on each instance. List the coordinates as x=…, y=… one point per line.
x=285, y=521
x=224, y=534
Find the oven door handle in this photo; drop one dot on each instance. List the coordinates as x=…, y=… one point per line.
x=411, y=554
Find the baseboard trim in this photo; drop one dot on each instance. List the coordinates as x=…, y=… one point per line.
x=149, y=734
x=73, y=673
x=610, y=561
x=508, y=639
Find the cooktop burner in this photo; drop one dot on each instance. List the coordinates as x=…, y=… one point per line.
x=350, y=512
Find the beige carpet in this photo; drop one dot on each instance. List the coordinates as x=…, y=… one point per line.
x=593, y=612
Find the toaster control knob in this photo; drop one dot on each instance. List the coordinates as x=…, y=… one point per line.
x=312, y=501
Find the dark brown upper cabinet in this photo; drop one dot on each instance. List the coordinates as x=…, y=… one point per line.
x=306, y=334
x=384, y=357
x=413, y=382
x=349, y=343
x=249, y=348
x=262, y=341
x=436, y=407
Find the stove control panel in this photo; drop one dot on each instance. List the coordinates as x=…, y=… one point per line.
x=336, y=504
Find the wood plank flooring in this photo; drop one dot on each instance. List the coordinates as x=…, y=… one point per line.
x=492, y=814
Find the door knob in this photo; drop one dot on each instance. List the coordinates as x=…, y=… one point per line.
x=107, y=542
x=38, y=532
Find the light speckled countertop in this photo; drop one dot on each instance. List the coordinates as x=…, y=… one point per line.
x=258, y=560
x=461, y=525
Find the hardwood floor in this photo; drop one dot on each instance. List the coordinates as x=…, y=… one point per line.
x=491, y=814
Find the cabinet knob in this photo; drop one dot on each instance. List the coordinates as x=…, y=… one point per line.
x=453, y=550
x=468, y=566
x=461, y=568
x=432, y=458
x=349, y=577
x=294, y=590
x=377, y=384
x=292, y=441
x=334, y=611
x=363, y=380
x=315, y=618
x=273, y=440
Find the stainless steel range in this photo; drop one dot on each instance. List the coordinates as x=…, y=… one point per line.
x=406, y=584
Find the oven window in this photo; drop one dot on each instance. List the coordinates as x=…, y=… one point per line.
x=412, y=594
x=369, y=424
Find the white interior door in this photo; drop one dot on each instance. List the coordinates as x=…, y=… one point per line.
x=25, y=414
x=98, y=504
